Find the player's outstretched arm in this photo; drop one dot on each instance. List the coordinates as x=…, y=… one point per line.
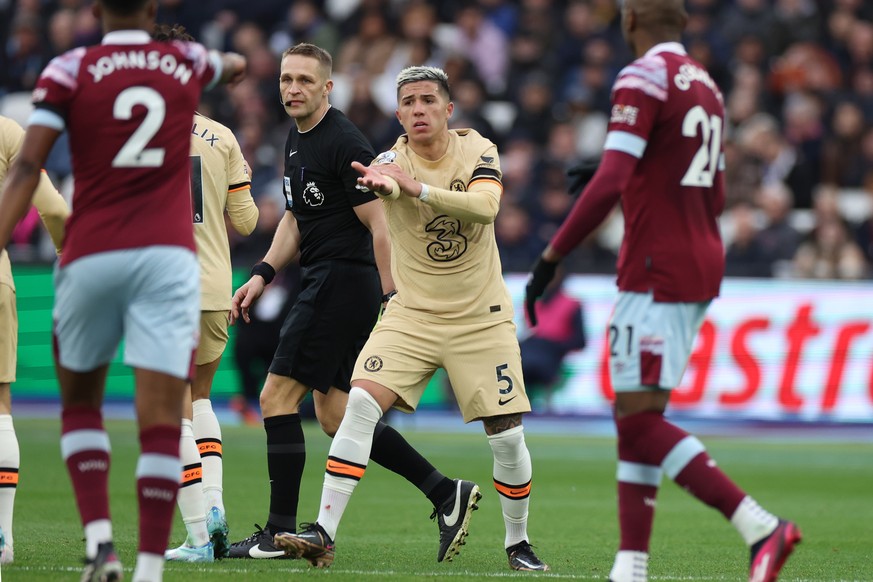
x=480, y=204
x=373, y=179
x=23, y=178
x=233, y=68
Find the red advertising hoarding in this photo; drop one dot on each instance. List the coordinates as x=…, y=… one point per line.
x=768, y=349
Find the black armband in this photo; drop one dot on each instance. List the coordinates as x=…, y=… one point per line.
x=387, y=297
x=265, y=270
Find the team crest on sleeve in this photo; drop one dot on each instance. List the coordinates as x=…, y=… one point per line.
x=385, y=158
x=312, y=195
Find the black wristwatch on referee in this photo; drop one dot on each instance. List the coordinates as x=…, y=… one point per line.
x=387, y=297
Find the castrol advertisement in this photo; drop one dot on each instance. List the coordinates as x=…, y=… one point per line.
x=767, y=350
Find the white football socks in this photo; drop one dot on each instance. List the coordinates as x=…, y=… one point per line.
x=207, y=433
x=512, y=467
x=752, y=521
x=192, y=504
x=10, y=462
x=352, y=444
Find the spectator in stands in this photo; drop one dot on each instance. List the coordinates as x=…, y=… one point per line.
x=864, y=231
x=366, y=115
x=778, y=162
x=517, y=245
x=367, y=50
x=306, y=23
x=746, y=255
x=867, y=153
x=26, y=54
x=484, y=44
x=843, y=162
x=469, y=95
x=830, y=254
x=521, y=158
x=805, y=128
x=529, y=54
x=417, y=46
x=743, y=19
x=795, y=21
x=62, y=31
x=778, y=239
x=580, y=26
x=534, y=116
x=503, y=13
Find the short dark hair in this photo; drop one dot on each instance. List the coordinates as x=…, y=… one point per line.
x=166, y=32
x=305, y=49
x=124, y=7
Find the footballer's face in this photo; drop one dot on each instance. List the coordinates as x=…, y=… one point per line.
x=303, y=86
x=423, y=110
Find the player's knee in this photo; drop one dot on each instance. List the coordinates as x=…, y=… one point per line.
x=330, y=423
x=498, y=424
x=639, y=401
x=280, y=395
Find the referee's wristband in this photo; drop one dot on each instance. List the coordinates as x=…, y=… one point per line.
x=425, y=192
x=387, y=297
x=265, y=270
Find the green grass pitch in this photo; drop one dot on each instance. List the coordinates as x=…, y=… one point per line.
x=827, y=487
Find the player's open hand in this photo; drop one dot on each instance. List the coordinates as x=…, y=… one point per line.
x=372, y=179
x=244, y=297
x=407, y=183
x=541, y=275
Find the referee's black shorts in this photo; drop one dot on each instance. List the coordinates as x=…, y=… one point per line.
x=329, y=324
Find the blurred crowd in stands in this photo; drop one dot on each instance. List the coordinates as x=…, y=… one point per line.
x=535, y=76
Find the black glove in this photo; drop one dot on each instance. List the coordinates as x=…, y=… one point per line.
x=541, y=275
x=581, y=174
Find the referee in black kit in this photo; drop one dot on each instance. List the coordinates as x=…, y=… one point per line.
x=342, y=236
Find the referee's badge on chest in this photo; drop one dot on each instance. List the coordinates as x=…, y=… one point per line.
x=288, y=191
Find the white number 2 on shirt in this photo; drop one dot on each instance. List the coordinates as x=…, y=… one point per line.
x=705, y=162
x=134, y=154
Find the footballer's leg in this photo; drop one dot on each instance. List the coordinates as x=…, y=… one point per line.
x=88, y=324
x=10, y=457
x=160, y=343
x=649, y=446
x=159, y=403
x=286, y=458
x=486, y=375
x=85, y=450
x=393, y=452
x=346, y=463
x=512, y=480
x=207, y=431
x=197, y=546
x=9, y=464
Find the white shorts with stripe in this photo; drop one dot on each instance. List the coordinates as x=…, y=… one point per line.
x=150, y=296
x=650, y=342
